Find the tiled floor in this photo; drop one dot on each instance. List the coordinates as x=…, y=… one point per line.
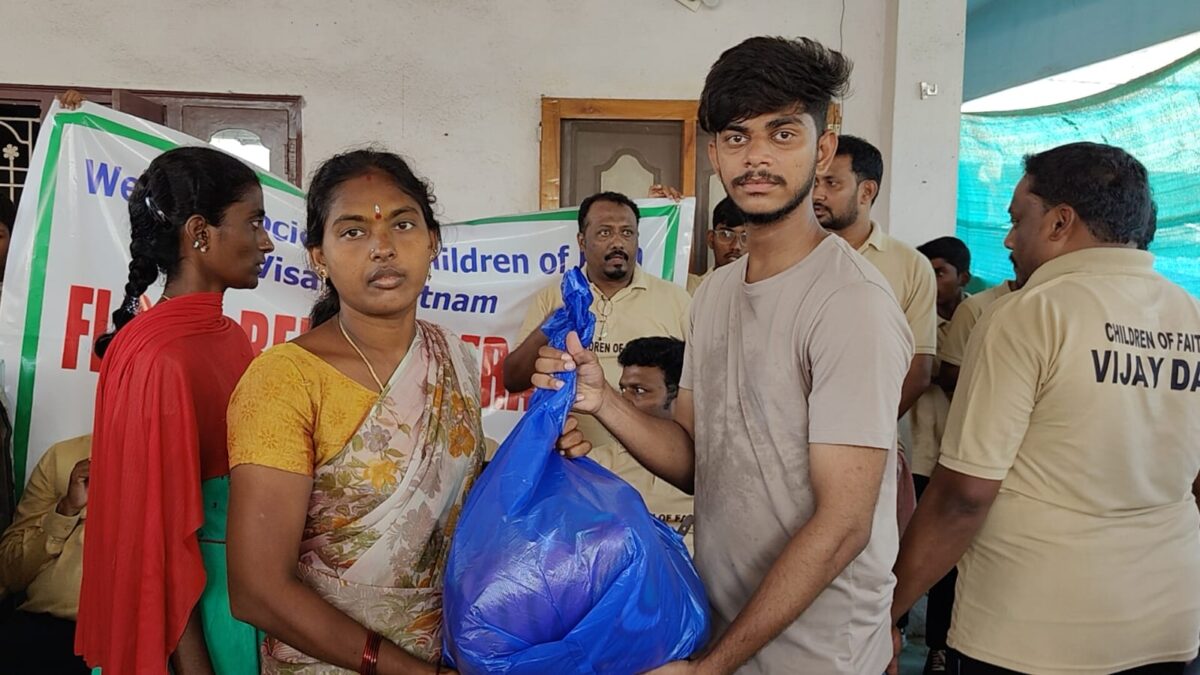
x=912, y=659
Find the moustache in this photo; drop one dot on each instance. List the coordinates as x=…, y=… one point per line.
x=758, y=177
x=617, y=254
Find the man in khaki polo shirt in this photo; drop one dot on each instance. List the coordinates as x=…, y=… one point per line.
x=842, y=199
x=41, y=556
x=628, y=303
x=650, y=371
x=726, y=237
x=1067, y=474
x=951, y=262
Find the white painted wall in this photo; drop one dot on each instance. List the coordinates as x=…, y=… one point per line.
x=453, y=84
x=920, y=138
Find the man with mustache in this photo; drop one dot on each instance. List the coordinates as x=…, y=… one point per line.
x=842, y=200
x=1066, y=487
x=785, y=420
x=628, y=303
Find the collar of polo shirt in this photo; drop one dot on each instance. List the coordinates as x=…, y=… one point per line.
x=1096, y=259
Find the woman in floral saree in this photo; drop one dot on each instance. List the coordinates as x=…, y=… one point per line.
x=353, y=446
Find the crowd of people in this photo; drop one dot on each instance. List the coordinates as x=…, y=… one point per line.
x=770, y=413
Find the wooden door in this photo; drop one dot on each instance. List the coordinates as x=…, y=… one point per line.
x=262, y=133
x=132, y=104
x=625, y=156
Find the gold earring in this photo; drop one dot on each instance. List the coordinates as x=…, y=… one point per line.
x=322, y=274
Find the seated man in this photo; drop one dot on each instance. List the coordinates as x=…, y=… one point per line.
x=41, y=554
x=650, y=370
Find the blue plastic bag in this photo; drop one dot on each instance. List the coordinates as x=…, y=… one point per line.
x=556, y=565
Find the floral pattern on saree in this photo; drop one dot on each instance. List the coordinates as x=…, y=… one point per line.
x=382, y=511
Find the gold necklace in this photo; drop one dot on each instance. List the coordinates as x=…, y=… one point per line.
x=360, y=354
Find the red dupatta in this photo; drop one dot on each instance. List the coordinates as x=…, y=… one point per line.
x=159, y=430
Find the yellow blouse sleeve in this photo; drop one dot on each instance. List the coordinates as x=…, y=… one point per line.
x=272, y=415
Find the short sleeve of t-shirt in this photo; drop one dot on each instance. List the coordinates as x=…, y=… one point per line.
x=994, y=399
x=683, y=312
x=859, y=350
x=685, y=376
x=547, y=300
x=689, y=323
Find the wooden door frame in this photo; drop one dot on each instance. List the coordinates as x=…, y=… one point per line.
x=555, y=110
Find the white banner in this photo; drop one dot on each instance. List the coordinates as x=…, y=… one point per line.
x=69, y=255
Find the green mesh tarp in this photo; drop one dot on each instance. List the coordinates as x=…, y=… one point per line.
x=1156, y=118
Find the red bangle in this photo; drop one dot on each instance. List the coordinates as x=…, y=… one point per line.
x=370, y=657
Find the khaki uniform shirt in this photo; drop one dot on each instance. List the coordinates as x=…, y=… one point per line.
x=1081, y=394
x=911, y=278
x=953, y=348
x=42, y=551
x=928, y=416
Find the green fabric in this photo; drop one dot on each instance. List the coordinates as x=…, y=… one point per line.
x=1154, y=118
x=232, y=645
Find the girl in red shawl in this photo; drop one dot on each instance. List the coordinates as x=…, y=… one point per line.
x=153, y=559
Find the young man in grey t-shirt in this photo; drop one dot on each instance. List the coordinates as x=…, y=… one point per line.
x=785, y=423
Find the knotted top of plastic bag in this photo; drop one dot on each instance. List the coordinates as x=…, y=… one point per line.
x=556, y=565
x=547, y=408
